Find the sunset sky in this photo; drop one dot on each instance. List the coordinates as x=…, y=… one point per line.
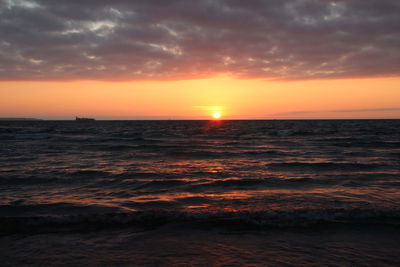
x=170, y=59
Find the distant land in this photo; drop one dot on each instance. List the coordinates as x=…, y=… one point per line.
x=19, y=119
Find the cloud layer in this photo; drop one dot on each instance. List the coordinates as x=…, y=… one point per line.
x=181, y=39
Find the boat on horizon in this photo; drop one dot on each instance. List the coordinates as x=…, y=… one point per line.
x=84, y=119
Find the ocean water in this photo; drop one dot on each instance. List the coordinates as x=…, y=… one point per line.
x=200, y=192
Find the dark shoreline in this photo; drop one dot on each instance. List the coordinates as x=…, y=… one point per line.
x=182, y=246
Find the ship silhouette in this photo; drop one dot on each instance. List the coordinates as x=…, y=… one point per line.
x=84, y=119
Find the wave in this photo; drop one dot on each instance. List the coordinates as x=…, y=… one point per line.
x=18, y=208
x=30, y=180
x=31, y=137
x=90, y=173
x=269, y=182
x=162, y=184
x=239, y=220
x=205, y=154
x=370, y=143
x=323, y=166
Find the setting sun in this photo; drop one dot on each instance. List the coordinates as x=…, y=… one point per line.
x=216, y=115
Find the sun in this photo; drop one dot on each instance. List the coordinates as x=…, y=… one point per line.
x=216, y=115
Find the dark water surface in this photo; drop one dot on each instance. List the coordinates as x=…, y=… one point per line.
x=210, y=180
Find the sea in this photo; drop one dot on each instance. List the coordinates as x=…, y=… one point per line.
x=200, y=193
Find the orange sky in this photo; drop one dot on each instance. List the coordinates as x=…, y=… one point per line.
x=244, y=59
x=198, y=99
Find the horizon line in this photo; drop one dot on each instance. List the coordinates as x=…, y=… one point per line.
x=172, y=119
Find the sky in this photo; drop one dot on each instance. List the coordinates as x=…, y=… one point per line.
x=180, y=59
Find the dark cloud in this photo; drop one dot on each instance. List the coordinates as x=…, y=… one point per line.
x=313, y=112
x=178, y=39
x=366, y=110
